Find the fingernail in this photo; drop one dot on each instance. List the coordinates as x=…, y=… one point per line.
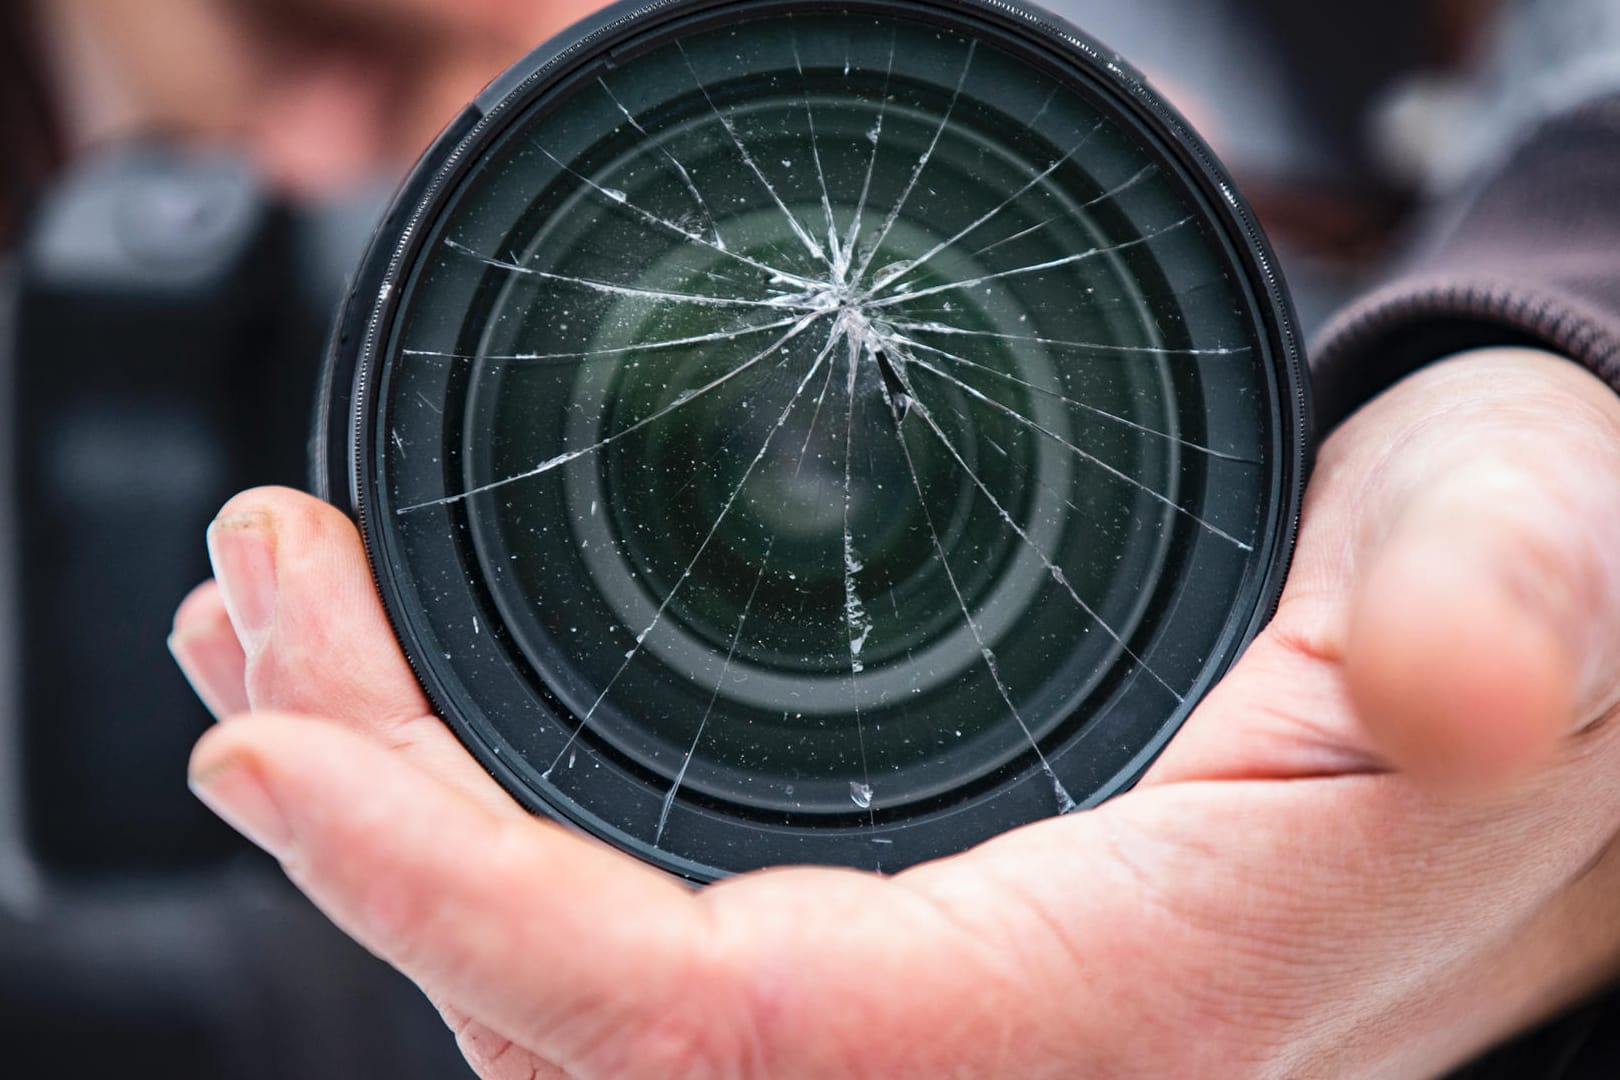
x=213, y=668
x=231, y=790
x=242, y=549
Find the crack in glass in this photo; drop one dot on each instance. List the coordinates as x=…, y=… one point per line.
x=841, y=417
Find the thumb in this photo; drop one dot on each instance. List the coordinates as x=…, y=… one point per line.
x=1485, y=626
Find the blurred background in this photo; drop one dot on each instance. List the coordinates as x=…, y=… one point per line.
x=184, y=186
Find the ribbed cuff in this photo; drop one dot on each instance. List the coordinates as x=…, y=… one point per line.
x=1417, y=321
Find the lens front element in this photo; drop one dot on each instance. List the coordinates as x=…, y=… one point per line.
x=807, y=434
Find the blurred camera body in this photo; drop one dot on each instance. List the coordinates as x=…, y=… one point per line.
x=165, y=321
x=165, y=348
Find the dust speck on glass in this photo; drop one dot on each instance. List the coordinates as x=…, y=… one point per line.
x=824, y=435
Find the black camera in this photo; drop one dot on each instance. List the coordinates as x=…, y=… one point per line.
x=169, y=311
x=163, y=329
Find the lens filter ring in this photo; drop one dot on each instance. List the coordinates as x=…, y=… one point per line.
x=795, y=432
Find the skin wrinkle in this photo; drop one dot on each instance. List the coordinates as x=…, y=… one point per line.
x=574, y=1034
x=764, y=965
x=1306, y=625
x=474, y=1039
x=998, y=964
x=390, y=914
x=990, y=970
x=397, y=736
x=404, y=932
x=681, y=1041
x=313, y=640
x=1206, y=1016
x=676, y=1045
x=1313, y=946
x=1251, y=937
x=1383, y=1024
x=1592, y=746
x=1579, y=812
x=1303, y=739
x=1204, y=1008
x=1454, y=1019
x=503, y=1062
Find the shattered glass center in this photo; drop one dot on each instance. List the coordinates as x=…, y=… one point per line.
x=839, y=422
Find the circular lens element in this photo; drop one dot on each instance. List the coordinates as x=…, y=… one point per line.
x=833, y=433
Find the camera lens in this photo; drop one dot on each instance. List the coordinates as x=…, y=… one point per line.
x=803, y=432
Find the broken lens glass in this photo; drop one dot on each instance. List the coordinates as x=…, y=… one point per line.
x=796, y=433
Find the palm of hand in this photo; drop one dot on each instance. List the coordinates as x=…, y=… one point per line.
x=1286, y=894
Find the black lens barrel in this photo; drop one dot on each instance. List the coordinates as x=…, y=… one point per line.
x=803, y=432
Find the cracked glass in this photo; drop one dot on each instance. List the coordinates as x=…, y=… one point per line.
x=824, y=436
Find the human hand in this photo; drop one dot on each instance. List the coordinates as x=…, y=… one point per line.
x=1384, y=842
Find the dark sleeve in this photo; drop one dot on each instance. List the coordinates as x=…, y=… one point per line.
x=1529, y=256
